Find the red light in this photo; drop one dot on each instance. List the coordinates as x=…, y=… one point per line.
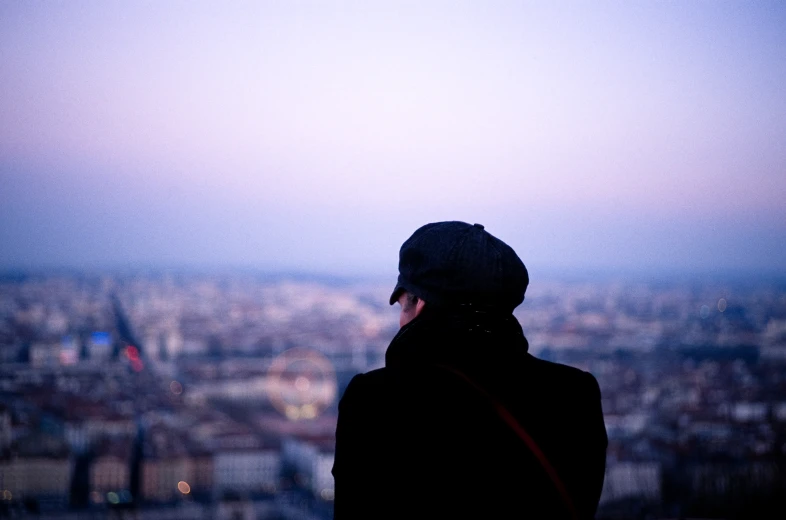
x=137, y=365
x=132, y=353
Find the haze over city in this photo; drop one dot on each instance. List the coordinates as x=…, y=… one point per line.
x=316, y=136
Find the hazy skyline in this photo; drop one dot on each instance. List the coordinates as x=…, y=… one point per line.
x=317, y=136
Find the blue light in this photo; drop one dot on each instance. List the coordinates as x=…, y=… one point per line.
x=100, y=338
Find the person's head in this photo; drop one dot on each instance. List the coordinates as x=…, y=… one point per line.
x=454, y=264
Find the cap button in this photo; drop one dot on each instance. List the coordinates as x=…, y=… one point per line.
x=479, y=226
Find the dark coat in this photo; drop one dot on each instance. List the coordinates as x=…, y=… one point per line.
x=417, y=440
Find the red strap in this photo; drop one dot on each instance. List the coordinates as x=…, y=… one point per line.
x=528, y=440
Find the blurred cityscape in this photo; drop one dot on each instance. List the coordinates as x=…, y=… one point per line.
x=193, y=396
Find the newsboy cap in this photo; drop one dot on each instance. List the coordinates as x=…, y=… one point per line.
x=455, y=263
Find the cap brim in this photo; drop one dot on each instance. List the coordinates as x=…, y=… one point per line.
x=396, y=294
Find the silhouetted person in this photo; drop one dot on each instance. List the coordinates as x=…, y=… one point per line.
x=462, y=422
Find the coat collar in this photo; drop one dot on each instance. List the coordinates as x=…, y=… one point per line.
x=465, y=338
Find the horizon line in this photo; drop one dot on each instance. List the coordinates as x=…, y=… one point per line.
x=575, y=274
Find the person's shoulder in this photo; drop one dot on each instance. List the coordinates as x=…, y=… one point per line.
x=553, y=367
x=378, y=379
x=366, y=382
x=370, y=391
x=559, y=373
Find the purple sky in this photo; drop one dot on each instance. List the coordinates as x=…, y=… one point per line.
x=317, y=136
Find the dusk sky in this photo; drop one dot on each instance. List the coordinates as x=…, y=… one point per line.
x=317, y=136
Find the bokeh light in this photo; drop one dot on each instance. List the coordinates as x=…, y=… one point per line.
x=132, y=353
x=176, y=388
x=302, y=383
